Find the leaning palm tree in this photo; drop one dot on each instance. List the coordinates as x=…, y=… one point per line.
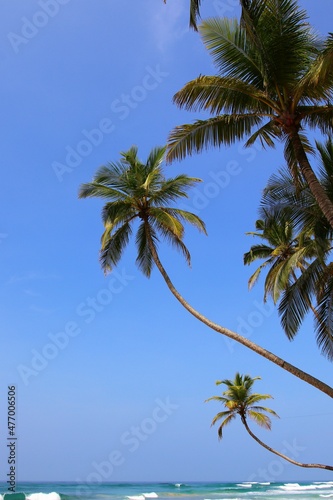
x=239, y=400
x=296, y=249
x=274, y=79
x=137, y=191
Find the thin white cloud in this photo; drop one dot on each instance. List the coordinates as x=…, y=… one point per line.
x=169, y=23
x=31, y=293
x=41, y=310
x=31, y=276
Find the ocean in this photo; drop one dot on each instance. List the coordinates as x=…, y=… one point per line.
x=166, y=491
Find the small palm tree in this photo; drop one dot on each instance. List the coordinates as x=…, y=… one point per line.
x=239, y=400
x=275, y=79
x=285, y=253
x=297, y=251
x=136, y=191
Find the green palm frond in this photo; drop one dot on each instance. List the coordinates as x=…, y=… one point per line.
x=320, y=75
x=227, y=44
x=287, y=39
x=226, y=421
x=94, y=189
x=321, y=120
x=189, y=138
x=155, y=159
x=324, y=317
x=172, y=238
x=223, y=94
x=113, y=246
x=253, y=398
x=144, y=258
x=117, y=212
x=257, y=252
x=265, y=134
x=297, y=299
x=259, y=418
x=164, y=219
x=172, y=189
x=189, y=217
x=194, y=13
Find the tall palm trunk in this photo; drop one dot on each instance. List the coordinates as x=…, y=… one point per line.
x=309, y=466
x=315, y=187
x=318, y=384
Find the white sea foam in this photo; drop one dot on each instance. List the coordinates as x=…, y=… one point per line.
x=150, y=495
x=326, y=496
x=178, y=485
x=245, y=485
x=43, y=496
x=136, y=497
x=305, y=487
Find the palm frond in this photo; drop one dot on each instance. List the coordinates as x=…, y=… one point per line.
x=117, y=212
x=257, y=252
x=324, y=317
x=225, y=129
x=189, y=217
x=113, y=246
x=260, y=418
x=144, y=258
x=265, y=134
x=96, y=190
x=320, y=74
x=294, y=305
x=223, y=94
x=229, y=417
x=194, y=13
x=227, y=44
x=172, y=189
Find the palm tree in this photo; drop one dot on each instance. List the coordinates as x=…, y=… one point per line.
x=297, y=252
x=139, y=191
x=239, y=399
x=284, y=254
x=274, y=78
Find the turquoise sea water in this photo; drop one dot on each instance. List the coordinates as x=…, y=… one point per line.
x=165, y=491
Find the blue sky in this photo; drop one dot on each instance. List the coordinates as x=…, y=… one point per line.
x=112, y=368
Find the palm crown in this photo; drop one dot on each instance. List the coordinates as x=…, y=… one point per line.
x=240, y=400
x=139, y=191
x=274, y=78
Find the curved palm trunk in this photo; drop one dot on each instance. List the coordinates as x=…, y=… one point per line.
x=299, y=464
x=233, y=335
x=315, y=187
